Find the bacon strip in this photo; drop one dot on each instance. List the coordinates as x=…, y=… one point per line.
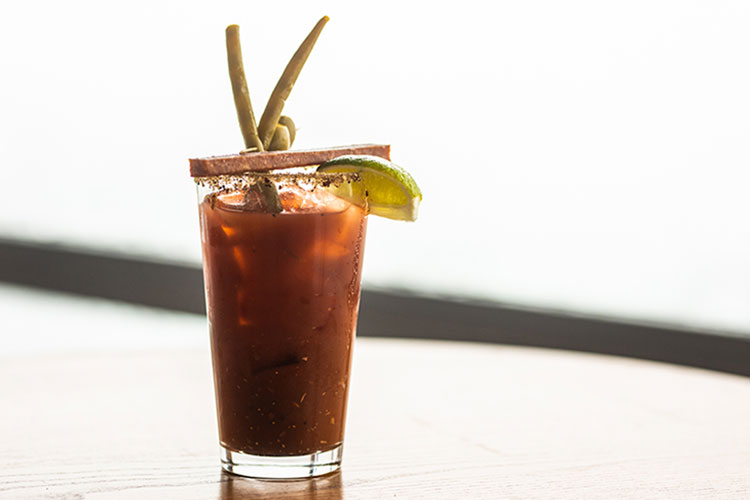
x=272, y=160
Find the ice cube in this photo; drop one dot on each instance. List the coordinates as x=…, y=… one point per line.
x=241, y=201
x=292, y=197
x=296, y=199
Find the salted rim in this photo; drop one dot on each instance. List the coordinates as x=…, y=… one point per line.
x=246, y=179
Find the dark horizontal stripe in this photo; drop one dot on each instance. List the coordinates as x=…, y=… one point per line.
x=390, y=315
x=383, y=314
x=164, y=285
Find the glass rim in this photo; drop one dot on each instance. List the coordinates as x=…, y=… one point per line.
x=249, y=178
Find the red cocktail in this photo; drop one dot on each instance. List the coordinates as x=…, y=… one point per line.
x=282, y=291
x=283, y=235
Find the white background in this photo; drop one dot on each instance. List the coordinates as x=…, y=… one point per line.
x=582, y=155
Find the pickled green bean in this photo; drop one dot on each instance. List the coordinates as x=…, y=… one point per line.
x=239, y=90
x=245, y=115
x=281, y=139
x=271, y=114
x=270, y=196
x=289, y=124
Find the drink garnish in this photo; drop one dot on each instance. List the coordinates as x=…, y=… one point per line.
x=239, y=89
x=273, y=132
x=271, y=115
x=383, y=188
x=274, y=160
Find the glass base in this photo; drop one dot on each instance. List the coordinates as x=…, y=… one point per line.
x=265, y=467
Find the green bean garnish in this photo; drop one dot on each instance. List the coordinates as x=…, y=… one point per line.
x=271, y=114
x=281, y=139
x=239, y=89
x=270, y=196
x=267, y=190
x=289, y=124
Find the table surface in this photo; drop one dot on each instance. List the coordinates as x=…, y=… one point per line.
x=427, y=420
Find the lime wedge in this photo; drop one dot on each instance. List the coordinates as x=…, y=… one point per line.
x=384, y=188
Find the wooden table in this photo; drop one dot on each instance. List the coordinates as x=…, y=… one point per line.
x=427, y=420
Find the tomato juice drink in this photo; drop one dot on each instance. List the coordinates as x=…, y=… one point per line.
x=283, y=233
x=282, y=292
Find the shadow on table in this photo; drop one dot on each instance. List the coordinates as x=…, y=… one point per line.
x=323, y=488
